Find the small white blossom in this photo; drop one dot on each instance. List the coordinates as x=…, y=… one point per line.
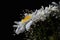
x=38, y=15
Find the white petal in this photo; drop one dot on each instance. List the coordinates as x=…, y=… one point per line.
x=16, y=22
x=28, y=25
x=15, y=25
x=20, y=30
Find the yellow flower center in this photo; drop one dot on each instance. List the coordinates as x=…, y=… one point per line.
x=26, y=19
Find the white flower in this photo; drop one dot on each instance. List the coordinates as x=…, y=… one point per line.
x=40, y=14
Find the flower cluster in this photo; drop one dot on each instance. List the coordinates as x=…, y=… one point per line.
x=38, y=15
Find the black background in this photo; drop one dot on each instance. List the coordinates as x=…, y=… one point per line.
x=14, y=10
